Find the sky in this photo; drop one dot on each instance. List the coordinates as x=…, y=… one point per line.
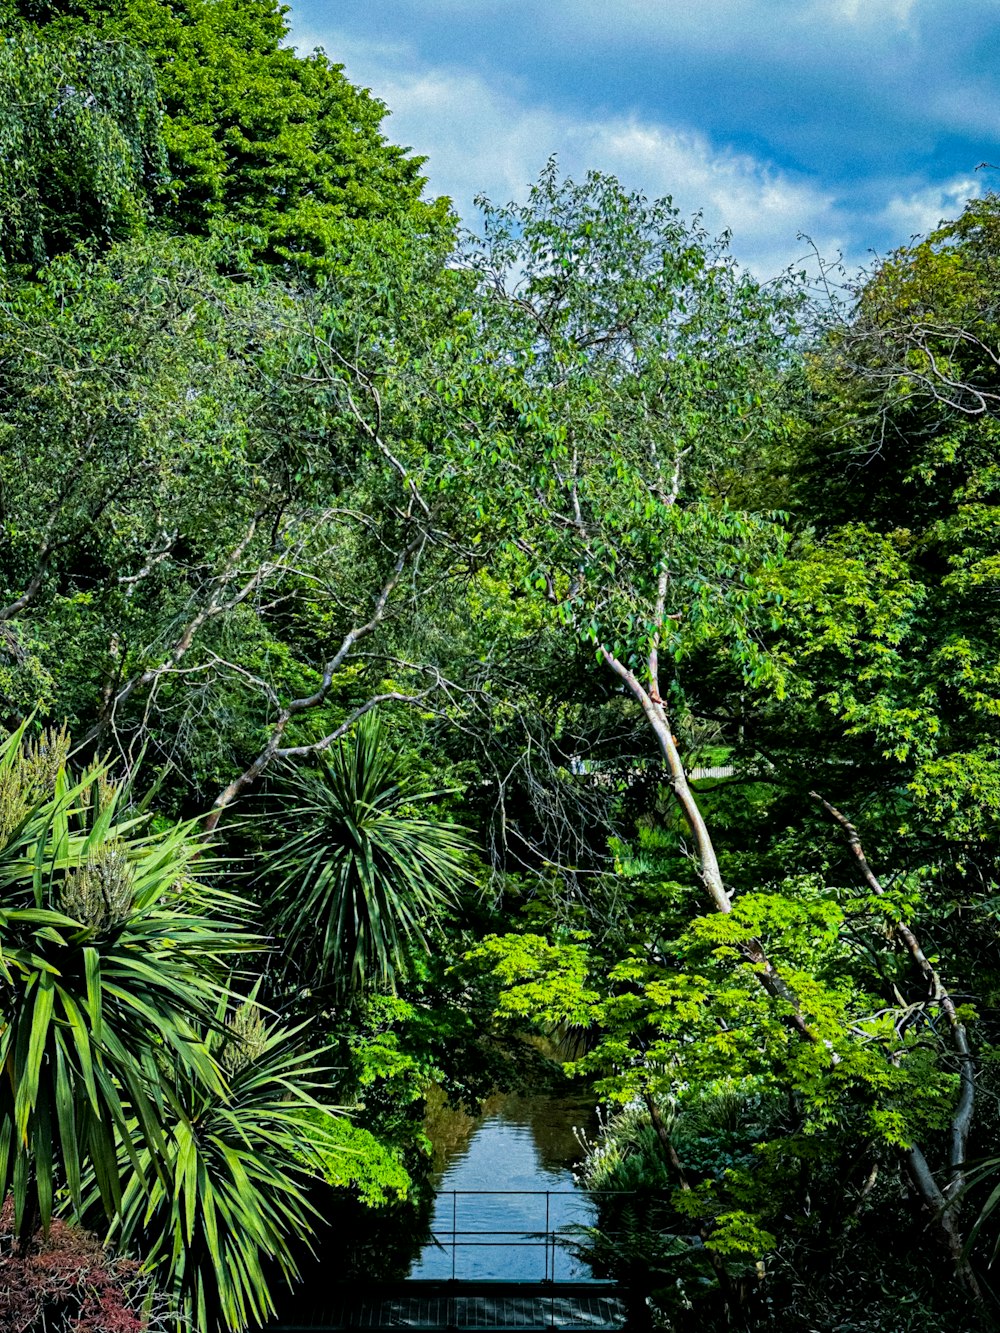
x=857, y=123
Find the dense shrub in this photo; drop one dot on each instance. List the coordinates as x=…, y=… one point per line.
x=66, y=1282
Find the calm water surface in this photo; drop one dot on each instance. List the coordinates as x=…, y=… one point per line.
x=522, y=1144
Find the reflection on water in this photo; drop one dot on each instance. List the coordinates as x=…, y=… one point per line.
x=522, y=1144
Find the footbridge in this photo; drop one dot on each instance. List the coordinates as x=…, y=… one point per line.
x=558, y=1295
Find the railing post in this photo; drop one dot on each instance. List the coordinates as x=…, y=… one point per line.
x=547, y=1239
x=454, y=1230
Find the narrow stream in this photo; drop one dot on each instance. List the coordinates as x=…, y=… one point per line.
x=517, y=1144
x=513, y=1182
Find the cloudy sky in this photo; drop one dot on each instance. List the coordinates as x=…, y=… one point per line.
x=856, y=122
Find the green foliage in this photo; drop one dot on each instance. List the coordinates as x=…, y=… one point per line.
x=224, y=1197
x=365, y=878
x=772, y=1134
x=677, y=1014
x=169, y=453
x=889, y=621
x=278, y=145
x=384, y=1054
x=80, y=149
x=112, y=953
x=601, y=399
x=129, y=1090
x=587, y=436
x=544, y=981
x=352, y=1158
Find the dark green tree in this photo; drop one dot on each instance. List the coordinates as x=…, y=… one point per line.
x=80, y=150
x=258, y=137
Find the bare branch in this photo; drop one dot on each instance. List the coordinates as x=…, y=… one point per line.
x=295, y=707
x=961, y=1121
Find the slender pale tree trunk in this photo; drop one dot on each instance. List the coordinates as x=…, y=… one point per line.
x=708, y=862
x=945, y=1203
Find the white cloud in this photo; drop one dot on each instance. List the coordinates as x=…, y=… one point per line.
x=868, y=12
x=765, y=209
x=487, y=135
x=479, y=137
x=920, y=210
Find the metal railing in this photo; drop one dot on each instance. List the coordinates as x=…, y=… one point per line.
x=549, y=1238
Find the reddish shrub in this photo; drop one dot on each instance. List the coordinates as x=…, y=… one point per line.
x=66, y=1281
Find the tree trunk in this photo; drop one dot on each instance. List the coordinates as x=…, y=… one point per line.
x=944, y=1204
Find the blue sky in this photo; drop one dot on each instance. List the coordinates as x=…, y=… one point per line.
x=857, y=122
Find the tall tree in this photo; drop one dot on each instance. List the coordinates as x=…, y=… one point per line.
x=615, y=440
x=618, y=371
x=80, y=152
x=257, y=136
x=199, y=512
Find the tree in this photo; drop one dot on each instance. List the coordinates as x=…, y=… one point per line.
x=896, y=602
x=200, y=522
x=618, y=372
x=258, y=137
x=80, y=150
x=613, y=469
x=623, y=369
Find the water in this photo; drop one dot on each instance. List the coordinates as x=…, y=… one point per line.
x=526, y=1147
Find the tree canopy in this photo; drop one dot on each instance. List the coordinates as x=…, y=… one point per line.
x=464, y=639
x=256, y=136
x=80, y=149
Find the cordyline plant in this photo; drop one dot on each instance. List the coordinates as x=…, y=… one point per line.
x=365, y=876
x=122, y=1096
x=112, y=952
x=228, y=1191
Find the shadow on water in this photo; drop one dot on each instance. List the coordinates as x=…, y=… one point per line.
x=518, y=1142
x=505, y=1180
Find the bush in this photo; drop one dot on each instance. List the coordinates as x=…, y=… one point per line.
x=66, y=1282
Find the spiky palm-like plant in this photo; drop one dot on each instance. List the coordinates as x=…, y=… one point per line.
x=122, y=1078
x=229, y=1196
x=111, y=954
x=364, y=876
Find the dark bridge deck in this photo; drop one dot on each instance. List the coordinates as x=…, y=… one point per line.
x=499, y=1307
x=471, y=1305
